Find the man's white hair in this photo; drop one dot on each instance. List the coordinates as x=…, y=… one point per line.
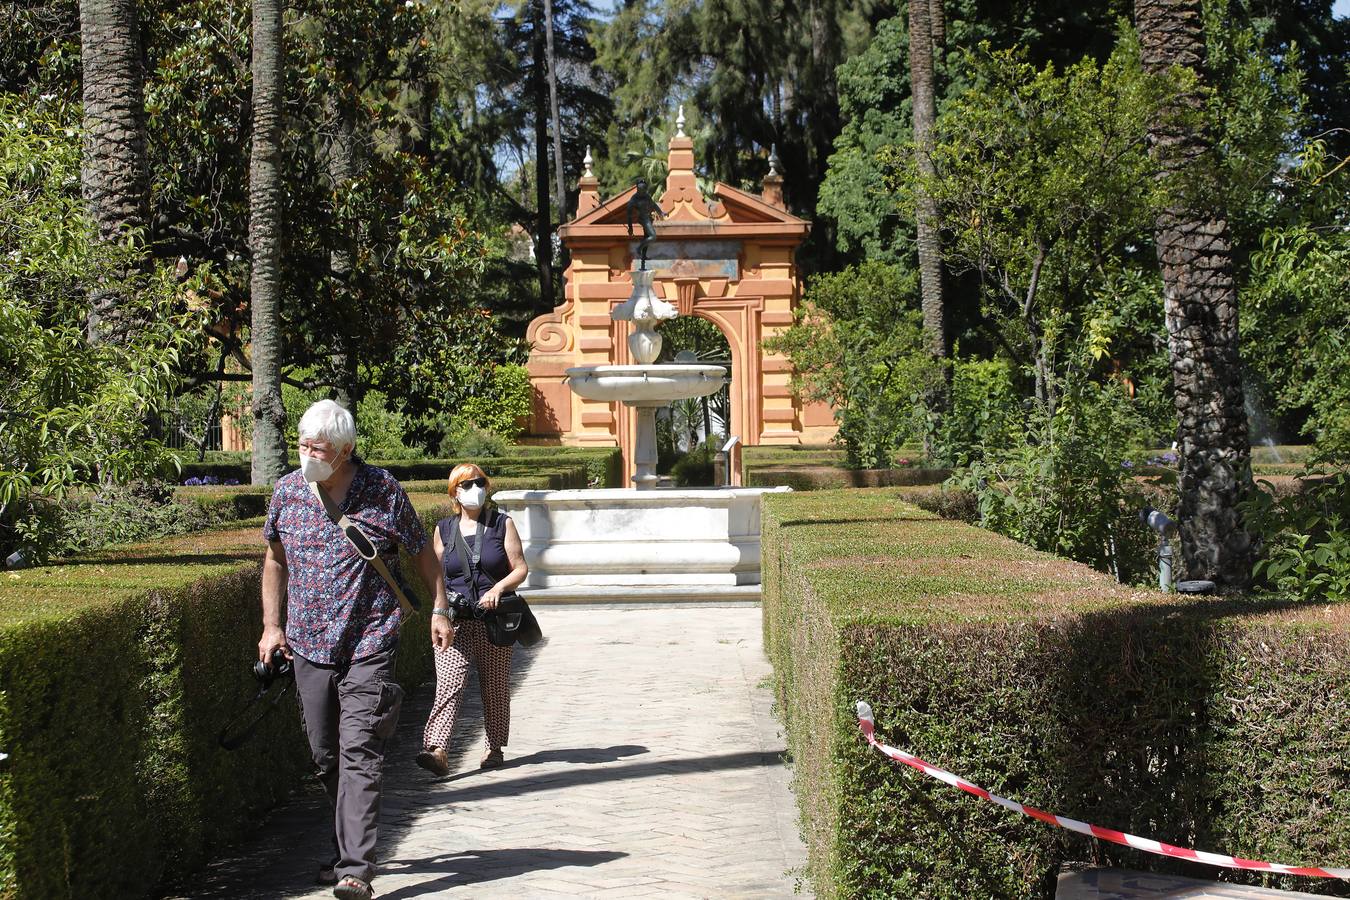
x=329, y=421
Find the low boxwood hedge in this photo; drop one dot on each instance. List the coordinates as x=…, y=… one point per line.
x=116, y=674
x=817, y=478
x=1210, y=723
x=602, y=465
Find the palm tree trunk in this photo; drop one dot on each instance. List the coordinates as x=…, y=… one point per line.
x=543, y=236
x=924, y=104
x=560, y=199
x=937, y=23
x=343, y=163
x=264, y=181
x=1194, y=250
x=114, y=171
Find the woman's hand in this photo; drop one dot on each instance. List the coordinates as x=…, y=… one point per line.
x=442, y=633
x=491, y=598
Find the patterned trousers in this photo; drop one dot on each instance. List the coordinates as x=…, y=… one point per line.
x=471, y=647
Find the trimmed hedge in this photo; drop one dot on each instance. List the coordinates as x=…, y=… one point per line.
x=817, y=478
x=583, y=463
x=1208, y=723
x=116, y=674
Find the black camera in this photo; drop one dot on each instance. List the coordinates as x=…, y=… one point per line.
x=463, y=609
x=279, y=667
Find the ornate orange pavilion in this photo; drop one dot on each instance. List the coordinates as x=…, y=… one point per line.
x=729, y=259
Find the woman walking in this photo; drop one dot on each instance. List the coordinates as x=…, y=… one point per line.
x=495, y=566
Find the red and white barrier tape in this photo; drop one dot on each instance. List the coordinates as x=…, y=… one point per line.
x=868, y=726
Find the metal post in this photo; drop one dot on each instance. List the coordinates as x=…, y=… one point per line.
x=1165, y=564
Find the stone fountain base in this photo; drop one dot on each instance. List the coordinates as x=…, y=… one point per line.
x=621, y=543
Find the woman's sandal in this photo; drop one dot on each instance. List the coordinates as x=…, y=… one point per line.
x=353, y=888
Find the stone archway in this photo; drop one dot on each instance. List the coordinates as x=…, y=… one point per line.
x=729, y=258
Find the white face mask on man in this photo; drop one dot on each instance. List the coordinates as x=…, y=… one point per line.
x=314, y=469
x=471, y=497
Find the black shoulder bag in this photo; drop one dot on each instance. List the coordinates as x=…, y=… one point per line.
x=512, y=621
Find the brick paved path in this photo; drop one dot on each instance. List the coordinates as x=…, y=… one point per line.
x=643, y=762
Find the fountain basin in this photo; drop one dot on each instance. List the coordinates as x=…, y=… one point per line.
x=644, y=541
x=645, y=385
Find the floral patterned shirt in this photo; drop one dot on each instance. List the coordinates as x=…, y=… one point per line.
x=338, y=608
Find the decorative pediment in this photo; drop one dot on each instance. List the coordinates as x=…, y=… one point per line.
x=612, y=212
x=741, y=207
x=728, y=206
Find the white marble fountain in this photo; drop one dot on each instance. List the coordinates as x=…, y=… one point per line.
x=639, y=543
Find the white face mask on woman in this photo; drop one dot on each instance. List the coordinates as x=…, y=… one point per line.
x=472, y=498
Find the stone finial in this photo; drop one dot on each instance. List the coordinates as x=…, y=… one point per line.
x=679, y=123
x=772, y=193
x=588, y=195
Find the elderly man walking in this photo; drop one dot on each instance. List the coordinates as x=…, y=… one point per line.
x=341, y=622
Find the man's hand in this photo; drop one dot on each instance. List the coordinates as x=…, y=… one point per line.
x=442, y=633
x=273, y=638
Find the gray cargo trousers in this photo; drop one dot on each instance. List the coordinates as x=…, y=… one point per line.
x=350, y=711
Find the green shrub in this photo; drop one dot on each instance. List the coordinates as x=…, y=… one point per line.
x=695, y=468
x=1305, y=537
x=1066, y=484
x=504, y=405
x=118, y=673
x=467, y=440
x=858, y=346
x=1198, y=722
x=985, y=411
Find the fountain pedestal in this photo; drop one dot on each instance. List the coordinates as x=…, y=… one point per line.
x=700, y=543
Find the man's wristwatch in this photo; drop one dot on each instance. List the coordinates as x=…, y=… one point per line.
x=448, y=613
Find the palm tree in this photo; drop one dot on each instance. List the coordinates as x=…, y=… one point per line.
x=560, y=200
x=264, y=233
x=543, y=229
x=924, y=105
x=1194, y=250
x=115, y=170
x=924, y=16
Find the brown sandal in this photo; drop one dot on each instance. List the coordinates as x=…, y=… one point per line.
x=353, y=888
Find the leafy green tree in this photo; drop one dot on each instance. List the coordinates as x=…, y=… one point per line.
x=875, y=105
x=758, y=73
x=518, y=110
x=1038, y=180
x=1296, y=309
x=70, y=409
x=858, y=345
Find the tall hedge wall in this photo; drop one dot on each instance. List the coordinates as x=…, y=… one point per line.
x=116, y=675
x=1208, y=723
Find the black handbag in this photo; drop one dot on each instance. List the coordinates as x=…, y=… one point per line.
x=512, y=621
